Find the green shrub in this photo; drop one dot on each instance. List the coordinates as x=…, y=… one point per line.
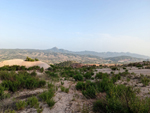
x=36, y=59
x=42, y=70
x=92, y=78
x=33, y=102
x=80, y=86
x=124, y=68
x=62, y=88
x=145, y=81
x=50, y=102
x=47, y=95
x=62, y=83
x=104, y=85
x=67, y=90
x=11, y=85
x=100, y=75
x=39, y=110
x=22, y=68
x=4, y=75
x=20, y=105
x=51, y=74
x=9, y=111
x=122, y=99
x=14, y=82
x=90, y=92
x=124, y=73
x=139, y=65
x=29, y=59
x=115, y=78
x=1, y=92
x=50, y=85
x=78, y=77
x=42, y=83
x=114, y=68
x=31, y=83
x=33, y=73
x=99, y=106
x=128, y=79
x=88, y=75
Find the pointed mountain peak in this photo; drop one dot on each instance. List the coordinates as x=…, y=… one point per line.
x=54, y=48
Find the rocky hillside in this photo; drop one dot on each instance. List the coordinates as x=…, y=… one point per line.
x=56, y=55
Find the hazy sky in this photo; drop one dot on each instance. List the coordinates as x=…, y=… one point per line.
x=95, y=25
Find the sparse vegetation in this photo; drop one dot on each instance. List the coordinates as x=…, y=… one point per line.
x=47, y=97
x=30, y=59
x=106, y=88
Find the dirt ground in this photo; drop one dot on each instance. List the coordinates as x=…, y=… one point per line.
x=131, y=70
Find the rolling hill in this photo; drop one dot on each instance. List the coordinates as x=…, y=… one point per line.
x=55, y=55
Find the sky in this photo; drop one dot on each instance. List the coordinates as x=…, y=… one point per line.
x=76, y=25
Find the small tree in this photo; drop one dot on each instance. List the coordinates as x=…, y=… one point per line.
x=36, y=59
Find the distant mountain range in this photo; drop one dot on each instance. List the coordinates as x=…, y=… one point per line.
x=55, y=55
x=99, y=54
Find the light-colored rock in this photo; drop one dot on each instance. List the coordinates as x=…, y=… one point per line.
x=24, y=63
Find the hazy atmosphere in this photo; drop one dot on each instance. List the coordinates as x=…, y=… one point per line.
x=74, y=56
x=95, y=25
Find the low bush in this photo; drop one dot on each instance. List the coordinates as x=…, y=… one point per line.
x=42, y=83
x=114, y=68
x=67, y=90
x=100, y=75
x=47, y=94
x=20, y=105
x=124, y=73
x=145, y=81
x=36, y=59
x=14, y=82
x=90, y=92
x=121, y=99
x=33, y=102
x=62, y=88
x=50, y=102
x=115, y=78
x=50, y=85
x=62, y=83
x=139, y=65
x=1, y=92
x=51, y=74
x=80, y=86
x=29, y=59
x=33, y=73
x=9, y=111
x=104, y=85
x=78, y=77
x=20, y=68
x=88, y=75
x=124, y=68
x=47, y=97
x=42, y=70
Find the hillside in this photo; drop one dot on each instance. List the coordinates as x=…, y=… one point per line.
x=123, y=59
x=56, y=55
x=99, y=54
x=47, y=56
